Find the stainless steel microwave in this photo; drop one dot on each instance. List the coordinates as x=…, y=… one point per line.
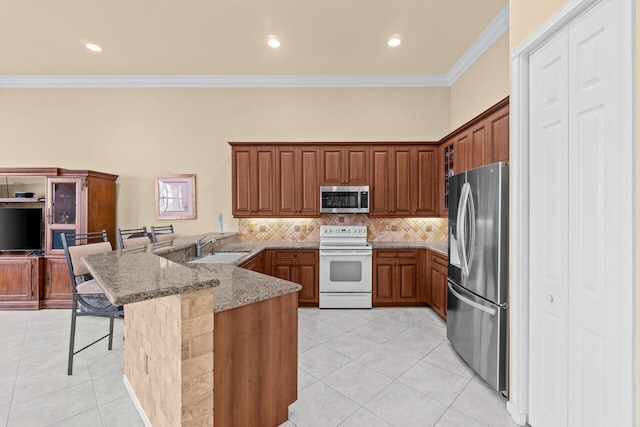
x=344, y=199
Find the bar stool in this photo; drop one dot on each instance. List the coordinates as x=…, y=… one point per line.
x=132, y=237
x=162, y=233
x=88, y=297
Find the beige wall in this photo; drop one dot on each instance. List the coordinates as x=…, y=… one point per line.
x=138, y=133
x=483, y=84
x=525, y=16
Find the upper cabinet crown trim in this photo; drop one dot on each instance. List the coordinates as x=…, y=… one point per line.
x=500, y=104
x=329, y=143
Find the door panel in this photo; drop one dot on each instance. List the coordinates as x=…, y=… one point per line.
x=598, y=195
x=383, y=286
x=407, y=289
x=401, y=181
x=308, y=182
x=265, y=183
x=548, y=241
x=286, y=196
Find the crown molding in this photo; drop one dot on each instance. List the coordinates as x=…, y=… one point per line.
x=223, y=81
x=484, y=41
x=494, y=30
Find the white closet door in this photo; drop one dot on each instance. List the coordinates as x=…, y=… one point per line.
x=581, y=227
x=549, y=232
x=596, y=198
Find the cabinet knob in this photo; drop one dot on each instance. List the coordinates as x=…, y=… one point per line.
x=550, y=298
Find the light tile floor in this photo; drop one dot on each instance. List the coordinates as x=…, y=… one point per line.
x=380, y=367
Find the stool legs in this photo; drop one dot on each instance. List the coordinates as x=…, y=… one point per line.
x=72, y=339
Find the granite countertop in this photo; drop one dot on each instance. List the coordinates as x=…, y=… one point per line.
x=255, y=247
x=127, y=277
x=440, y=248
x=158, y=270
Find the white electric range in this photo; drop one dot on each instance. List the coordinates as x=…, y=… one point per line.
x=345, y=267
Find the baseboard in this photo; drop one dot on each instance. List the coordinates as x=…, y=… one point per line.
x=516, y=415
x=136, y=402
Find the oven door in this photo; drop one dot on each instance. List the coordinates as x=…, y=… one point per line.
x=345, y=270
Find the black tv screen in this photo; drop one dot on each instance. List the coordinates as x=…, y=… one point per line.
x=20, y=229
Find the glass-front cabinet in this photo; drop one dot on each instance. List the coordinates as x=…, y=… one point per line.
x=64, y=211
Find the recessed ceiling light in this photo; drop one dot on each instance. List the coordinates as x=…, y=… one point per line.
x=273, y=42
x=91, y=46
x=394, y=41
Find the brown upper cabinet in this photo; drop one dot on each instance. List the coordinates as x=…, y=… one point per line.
x=403, y=181
x=297, y=190
x=481, y=141
x=253, y=181
x=344, y=165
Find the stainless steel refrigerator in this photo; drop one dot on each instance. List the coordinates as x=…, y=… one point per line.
x=478, y=285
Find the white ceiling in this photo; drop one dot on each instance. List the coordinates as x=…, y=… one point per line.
x=213, y=37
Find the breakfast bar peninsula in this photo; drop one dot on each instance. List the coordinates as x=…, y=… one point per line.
x=204, y=342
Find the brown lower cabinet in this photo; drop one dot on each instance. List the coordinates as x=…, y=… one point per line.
x=57, y=291
x=20, y=279
x=437, y=266
x=299, y=266
x=256, y=263
x=398, y=277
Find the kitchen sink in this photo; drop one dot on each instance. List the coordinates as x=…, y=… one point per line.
x=221, y=257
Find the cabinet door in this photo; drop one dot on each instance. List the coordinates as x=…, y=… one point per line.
x=57, y=280
x=383, y=278
x=332, y=169
x=425, y=193
x=64, y=212
x=264, y=200
x=307, y=182
x=461, y=144
x=17, y=279
x=380, y=192
x=448, y=155
x=286, y=179
x=284, y=270
x=307, y=277
x=498, y=126
x=407, y=281
x=242, y=181
x=401, y=181
x=438, y=290
x=251, y=264
x=478, y=145
x=356, y=166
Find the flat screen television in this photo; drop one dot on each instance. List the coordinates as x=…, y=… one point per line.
x=20, y=229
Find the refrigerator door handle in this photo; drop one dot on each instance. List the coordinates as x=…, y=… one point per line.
x=473, y=304
x=462, y=233
x=472, y=233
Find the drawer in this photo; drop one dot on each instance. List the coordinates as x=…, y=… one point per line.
x=287, y=254
x=396, y=254
x=437, y=259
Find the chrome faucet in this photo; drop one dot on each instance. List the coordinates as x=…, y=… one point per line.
x=200, y=245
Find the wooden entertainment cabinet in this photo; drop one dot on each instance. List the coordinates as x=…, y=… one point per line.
x=74, y=200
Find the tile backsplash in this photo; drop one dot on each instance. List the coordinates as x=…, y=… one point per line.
x=308, y=229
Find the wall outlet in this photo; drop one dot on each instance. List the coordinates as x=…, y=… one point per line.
x=394, y=228
x=297, y=228
x=225, y=228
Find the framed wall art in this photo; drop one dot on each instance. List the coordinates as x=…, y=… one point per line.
x=176, y=196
